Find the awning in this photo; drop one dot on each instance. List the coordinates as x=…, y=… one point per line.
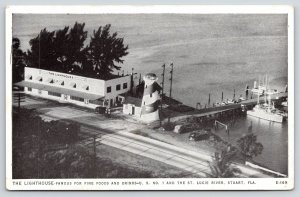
x=61, y=82
x=28, y=77
x=85, y=87
x=39, y=78
x=49, y=80
x=73, y=85
x=60, y=90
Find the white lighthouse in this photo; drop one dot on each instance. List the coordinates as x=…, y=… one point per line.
x=151, y=99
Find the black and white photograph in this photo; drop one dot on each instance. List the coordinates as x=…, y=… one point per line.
x=150, y=98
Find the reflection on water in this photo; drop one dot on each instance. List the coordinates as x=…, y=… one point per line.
x=273, y=136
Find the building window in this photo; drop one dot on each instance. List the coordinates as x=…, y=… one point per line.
x=124, y=85
x=151, y=95
x=54, y=94
x=108, y=90
x=118, y=87
x=29, y=89
x=75, y=98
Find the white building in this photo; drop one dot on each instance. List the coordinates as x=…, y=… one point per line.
x=83, y=91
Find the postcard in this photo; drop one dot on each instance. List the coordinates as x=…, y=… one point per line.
x=156, y=97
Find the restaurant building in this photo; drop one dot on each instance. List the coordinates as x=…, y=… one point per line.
x=83, y=91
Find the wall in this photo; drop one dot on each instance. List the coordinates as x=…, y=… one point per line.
x=127, y=109
x=96, y=86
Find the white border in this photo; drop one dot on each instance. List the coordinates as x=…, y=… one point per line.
x=260, y=183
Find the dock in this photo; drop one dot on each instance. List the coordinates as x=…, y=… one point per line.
x=221, y=110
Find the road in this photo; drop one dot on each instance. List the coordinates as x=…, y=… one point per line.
x=115, y=132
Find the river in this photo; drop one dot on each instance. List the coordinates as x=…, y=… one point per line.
x=273, y=136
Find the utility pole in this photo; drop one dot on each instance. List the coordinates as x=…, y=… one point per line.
x=163, y=78
x=162, y=91
x=234, y=94
x=19, y=101
x=222, y=97
x=162, y=84
x=171, y=79
x=171, y=82
x=95, y=156
x=131, y=80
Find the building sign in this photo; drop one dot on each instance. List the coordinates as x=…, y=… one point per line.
x=60, y=75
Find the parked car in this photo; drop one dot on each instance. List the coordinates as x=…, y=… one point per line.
x=199, y=135
x=100, y=110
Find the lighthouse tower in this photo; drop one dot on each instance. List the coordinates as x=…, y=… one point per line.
x=151, y=99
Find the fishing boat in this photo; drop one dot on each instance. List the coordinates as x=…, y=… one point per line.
x=266, y=111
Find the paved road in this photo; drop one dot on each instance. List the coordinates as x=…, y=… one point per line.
x=115, y=133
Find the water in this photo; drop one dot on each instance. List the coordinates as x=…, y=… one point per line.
x=273, y=136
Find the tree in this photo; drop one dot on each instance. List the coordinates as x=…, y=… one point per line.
x=61, y=49
x=105, y=51
x=221, y=166
x=18, y=61
x=64, y=50
x=41, y=54
x=249, y=146
x=75, y=52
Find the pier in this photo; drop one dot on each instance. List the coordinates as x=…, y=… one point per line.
x=226, y=109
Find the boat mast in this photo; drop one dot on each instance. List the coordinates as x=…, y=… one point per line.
x=265, y=86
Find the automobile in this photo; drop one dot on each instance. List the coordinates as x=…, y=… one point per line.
x=100, y=110
x=199, y=135
x=223, y=104
x=241, y=99
x=231, y=101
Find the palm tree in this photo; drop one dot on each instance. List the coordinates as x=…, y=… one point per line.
x=105, y=51
x=249, y=146
x=18, y=62
x=221, y=166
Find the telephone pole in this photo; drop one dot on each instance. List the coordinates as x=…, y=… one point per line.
x=171, y=79
x=222, y=97
x=234, y=94
x=95, y=154
x=163, y=78
x=162, y=92
x=162, y=84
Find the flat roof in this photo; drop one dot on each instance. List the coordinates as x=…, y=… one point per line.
x=60, y=90
x=107, y=77
x=133, y=100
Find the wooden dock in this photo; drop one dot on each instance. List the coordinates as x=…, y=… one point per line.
x=220, y=110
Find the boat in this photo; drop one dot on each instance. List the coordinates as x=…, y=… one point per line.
x=260, y=111
x=266, y=111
